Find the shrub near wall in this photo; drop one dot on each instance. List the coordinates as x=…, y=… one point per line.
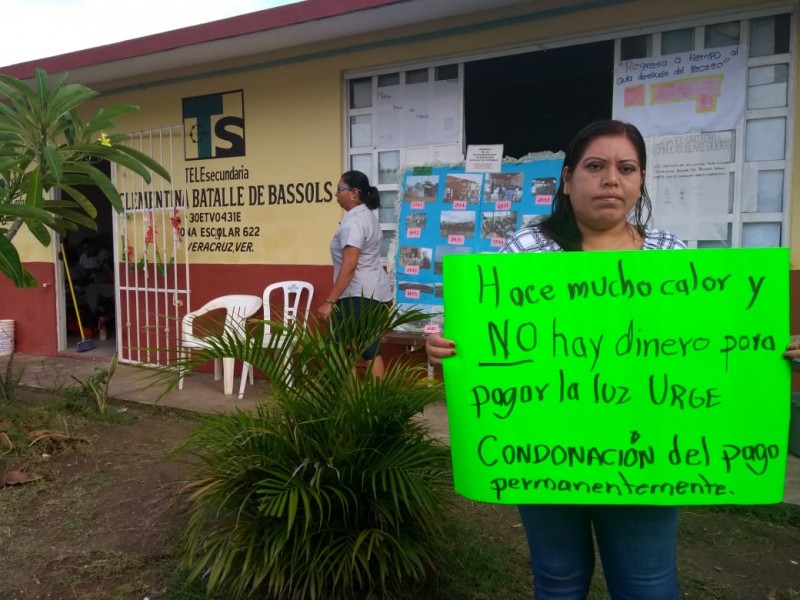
x=332, y=488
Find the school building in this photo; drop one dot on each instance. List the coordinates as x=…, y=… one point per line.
x=256, y=117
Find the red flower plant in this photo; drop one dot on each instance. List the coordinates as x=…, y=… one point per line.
x=150, y=234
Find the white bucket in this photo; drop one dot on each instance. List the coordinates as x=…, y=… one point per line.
x=6, y=336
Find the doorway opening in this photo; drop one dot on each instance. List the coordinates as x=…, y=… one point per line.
x=91, y=303
x=537, y=101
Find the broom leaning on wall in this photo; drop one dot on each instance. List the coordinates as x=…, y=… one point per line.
x=85, y=344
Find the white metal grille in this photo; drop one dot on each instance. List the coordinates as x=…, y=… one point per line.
x=153, y=264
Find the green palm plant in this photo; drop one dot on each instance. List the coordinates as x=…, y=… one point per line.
x=332, y=488
x=45, y=145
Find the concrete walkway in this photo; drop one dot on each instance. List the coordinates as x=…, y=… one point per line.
x=202, y=394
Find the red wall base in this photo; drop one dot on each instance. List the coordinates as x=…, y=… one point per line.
x=210, y=281
x=33, y=311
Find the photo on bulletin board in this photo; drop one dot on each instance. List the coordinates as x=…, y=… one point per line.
x=457, y=223
x=503, y=187
x=417, y=257
x=418, y=220
x=498, y=225
x=543, y=190
x=544, y=186
x=445, y=210
x=422, y=188
x=433, y=323
x=531, y=220
x=441, y=251
x=463, y=187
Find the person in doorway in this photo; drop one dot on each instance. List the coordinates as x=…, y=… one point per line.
x=601, y=204
x=359, y=280
x=94, y=257
x=96, y=263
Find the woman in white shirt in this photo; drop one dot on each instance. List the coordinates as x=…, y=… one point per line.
x=359, y=279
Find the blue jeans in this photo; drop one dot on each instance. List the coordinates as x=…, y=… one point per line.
x=637, y=546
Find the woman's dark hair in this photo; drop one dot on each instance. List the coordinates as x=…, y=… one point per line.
x=561, y=226
x=369, y=194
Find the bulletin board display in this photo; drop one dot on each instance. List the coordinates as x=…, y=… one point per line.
x=445, y=210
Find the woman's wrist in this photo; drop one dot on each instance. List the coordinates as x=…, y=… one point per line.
x=329, y=301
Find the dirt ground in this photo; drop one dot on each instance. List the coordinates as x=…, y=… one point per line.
x=102, y=524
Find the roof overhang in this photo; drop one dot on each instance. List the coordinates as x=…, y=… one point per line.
x=238, y=37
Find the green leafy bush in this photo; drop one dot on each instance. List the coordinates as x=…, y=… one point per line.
x=333, y=488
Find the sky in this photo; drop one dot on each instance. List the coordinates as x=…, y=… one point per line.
x=49, y=27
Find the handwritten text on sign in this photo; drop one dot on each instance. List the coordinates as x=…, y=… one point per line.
x=619, y=377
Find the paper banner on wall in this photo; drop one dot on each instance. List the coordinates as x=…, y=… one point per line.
x=445, y=210
x=422, y=114
x=619, y=377
x=689, y=180
x=701, y=90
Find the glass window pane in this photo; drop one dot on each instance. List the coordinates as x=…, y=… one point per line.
x=761, y=235
x=722, y=34
x=680, y=40
x=386, y=242
x=446, y=73
x=362, y=162
x=360, y=131
x=765, y=139
x=768, y=86
x=361, y=92
x=726, y=243
x=388, y=164
x=769, y=35
x=417, y=76
x=770, y=191
x=388, y=79
x=638, y=46
x=387, y=211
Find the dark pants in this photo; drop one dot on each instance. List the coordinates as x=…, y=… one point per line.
x=349, y=310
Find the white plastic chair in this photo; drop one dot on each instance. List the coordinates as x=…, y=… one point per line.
x=296, y=302
x=238, y=307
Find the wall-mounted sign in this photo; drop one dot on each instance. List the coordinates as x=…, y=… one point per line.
x=214, y=126
x=487, y=158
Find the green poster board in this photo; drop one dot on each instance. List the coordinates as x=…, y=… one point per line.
x=619, y=377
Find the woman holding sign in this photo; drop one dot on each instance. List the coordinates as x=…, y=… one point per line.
x=793, y=353
x=359, y=278
x=601, y=204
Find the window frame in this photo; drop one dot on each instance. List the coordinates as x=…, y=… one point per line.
x=736, y=218
x=403, y=162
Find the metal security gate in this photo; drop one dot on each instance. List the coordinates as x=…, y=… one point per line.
x=153, y=269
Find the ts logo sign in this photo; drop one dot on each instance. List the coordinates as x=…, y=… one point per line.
x=214, y=126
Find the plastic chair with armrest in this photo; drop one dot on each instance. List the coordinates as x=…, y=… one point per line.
x=238, y=308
